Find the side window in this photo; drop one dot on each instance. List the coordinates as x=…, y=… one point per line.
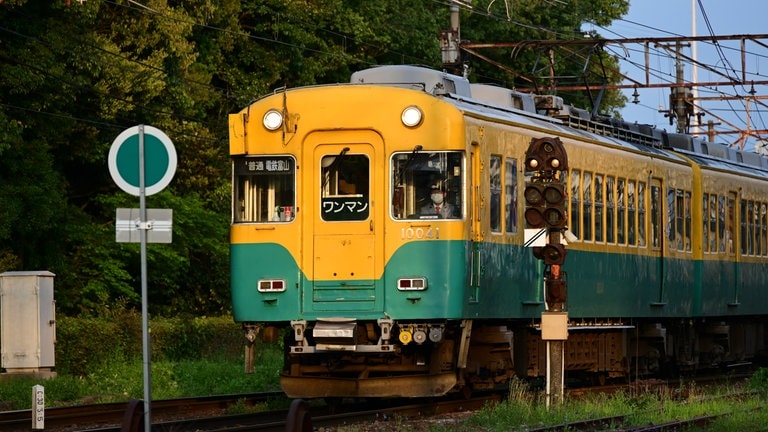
x=621, y=211
x=723, y=237
x=687, y=212
x=671, y=229
x=510, y=195
x=744, y=227
x=730, y=225
x=758, y=230
x=705, y=219
x=575, y=212
x=656, y=216
x=264, y=189
x=763, y=230
x=631, y=213
x=427, y=185
x=344, y=194
x=641, y=218
x=495, y=193
x=712, y=226
x=610, y=212
x=599, y=205
x=586, y=188
x=679, y=219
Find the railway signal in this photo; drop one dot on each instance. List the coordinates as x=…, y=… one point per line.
x=546, y=196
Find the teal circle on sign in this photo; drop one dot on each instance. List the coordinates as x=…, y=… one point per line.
x=159, y=160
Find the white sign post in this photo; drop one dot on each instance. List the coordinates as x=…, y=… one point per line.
x=142, y=161
x=38, y=407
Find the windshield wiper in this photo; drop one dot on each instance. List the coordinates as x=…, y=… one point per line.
x=409, y=161
x=335, y=165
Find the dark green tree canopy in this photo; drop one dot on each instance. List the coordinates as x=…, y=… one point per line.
x=75, y=73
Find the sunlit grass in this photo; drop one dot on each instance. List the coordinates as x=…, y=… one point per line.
x=528, y=410
x=123, y=381
x=745, y=404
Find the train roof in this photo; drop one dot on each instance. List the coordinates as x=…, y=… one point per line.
x=550, y=112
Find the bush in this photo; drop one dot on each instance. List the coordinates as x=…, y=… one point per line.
x=84, y=344
x=759, y=382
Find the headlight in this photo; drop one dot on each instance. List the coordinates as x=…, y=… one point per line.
x=273, y=119
x=412, y=116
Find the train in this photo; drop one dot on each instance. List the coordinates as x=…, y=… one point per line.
x=378, y=234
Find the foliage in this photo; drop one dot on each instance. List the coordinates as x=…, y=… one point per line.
x=530, y=411
x=120, y=381
x=73, y=75
x=86, y=343
x=190, y=357
x=759, y=382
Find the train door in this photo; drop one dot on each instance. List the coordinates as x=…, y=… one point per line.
x=345, y=250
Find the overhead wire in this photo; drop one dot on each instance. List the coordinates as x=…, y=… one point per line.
x=720, y=49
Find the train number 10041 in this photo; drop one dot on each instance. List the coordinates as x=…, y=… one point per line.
x=420, y=233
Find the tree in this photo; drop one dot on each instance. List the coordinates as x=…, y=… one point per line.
x=550, y=21
x=73, y=75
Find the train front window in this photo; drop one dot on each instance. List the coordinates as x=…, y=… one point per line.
x=345, y=183
x=264, y=189
x=427, y=185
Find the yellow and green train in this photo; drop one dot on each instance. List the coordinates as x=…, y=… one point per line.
x=379, y=225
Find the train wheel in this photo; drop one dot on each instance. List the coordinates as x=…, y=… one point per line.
x=298, y=419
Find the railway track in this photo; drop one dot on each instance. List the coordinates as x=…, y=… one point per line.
x=212, y=414
x=83, y=417
x=209, y=414
x=616, y=423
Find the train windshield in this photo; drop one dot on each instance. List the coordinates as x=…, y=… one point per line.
x=427, y=185
x=345, y=180
x=264, y=189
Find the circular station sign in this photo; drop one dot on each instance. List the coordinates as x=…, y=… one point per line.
x=159, y=160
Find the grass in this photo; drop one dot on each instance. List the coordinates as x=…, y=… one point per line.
x=523, y=409
x=526, y=410
x=123, y=381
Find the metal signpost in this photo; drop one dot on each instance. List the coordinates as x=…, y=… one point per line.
x=142, y=162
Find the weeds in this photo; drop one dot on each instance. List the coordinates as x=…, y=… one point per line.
x=121, y=381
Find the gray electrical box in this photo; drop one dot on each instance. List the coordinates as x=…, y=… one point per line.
x=28, y=321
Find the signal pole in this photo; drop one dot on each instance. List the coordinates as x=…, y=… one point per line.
x=546, y=199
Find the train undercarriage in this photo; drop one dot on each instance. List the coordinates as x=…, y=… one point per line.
x=344, y=358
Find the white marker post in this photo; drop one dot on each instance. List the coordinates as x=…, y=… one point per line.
x=38, y=407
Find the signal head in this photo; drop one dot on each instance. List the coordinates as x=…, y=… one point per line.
x=553, y=254
x=534, y=204
x=532, y=163
x=546, y=154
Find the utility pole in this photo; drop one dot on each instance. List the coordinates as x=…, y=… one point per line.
x=450, y=41
x=680, y=97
